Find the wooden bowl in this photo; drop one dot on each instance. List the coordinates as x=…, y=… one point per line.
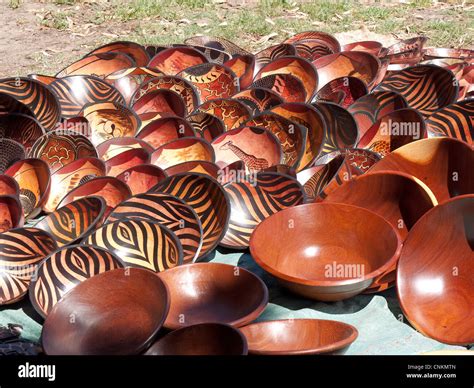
x=139, y=243
x=438, y=52
x=434, y=279
x=175, y=59
x=169, y=211
x=11, y=213
x=296, y=66
x=9, y=186
x=217, y=43
x=343, y=91
x=206, y=125
x=258, y=148
x=426, y=88
x=39, y=98
x=312, y=49
x=164, y=130
x=330, y=40
x=59, y=148
x=199, y=166
x=207, y=197
x=408, y=51
x=211, y=80
x=361, y=159
x=233, y=113
x=21, y=128
x=74, y=92
x=204, y=339
x=287, y=86
x=256, y=198
x=44, y=79
x=455, y=121
x=206, y=293
x=71, y=176
x=435, y=163
x=369, y=46
x=112, y=190
x=269, y=54
x=77, y=124
x=159, y=103
x=231, y=172
x=142, y=177
x=10, y=153
x=63, y=270
x=9, y=104
x=71, y=222
x=117, y=145
x=134, y=50
x=34, y=180
x=243, y=67
x=356, y=64
x=318, y=260
x=182, y=150
x=128, y=159
x=299, y=336
x=177, y=84
x=258, y=99
x=25, y=248
x=213, y=55
x=112, y=324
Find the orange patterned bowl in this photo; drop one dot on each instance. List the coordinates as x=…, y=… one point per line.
x=175, y=59
x=142, y=177
x=165, y=129
x=116, y=145
x=128, y=159
x=99, y=65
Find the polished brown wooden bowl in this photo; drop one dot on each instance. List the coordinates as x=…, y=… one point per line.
x=318, y=260
x=258, y=99
x=438, y=52
x=232, y=171
x=213, y=55
x=426, y=88
x=287, y=86
x=330, y=40
x=233, y=113
x=442, y=164
x=271, y=53
x=9, y=104
x=296, y=66
x=44, y=79
x=34, y=180
x=63, y=270
x=434, y=275
x=243, y=67
x=77, y=124
x=36, y=96
x=369, y=46
x=111, y=189
x=206, y=125
x=203, y=339
x=175, y=59
x=312, y=49
x=207, y=197
x=21, y=248
x=299, y=336
x=142, y=177
x=343, y=91
x=10, y=152
x=125, y=160
x=114, y=324
x=134, y=50
x=164, y=130
x=199, y=166
x=11, y=213
x=206, y=293
x=116, y=145
x=139, y=243
x=9, y=186
x=71, y=222
x=71, y=176
x=356, y=64
x=361, y=159
x=74, y=92
x=59, y=148
x=217, y=43
x=21, y=128
x=407, y=51
x=159, y=103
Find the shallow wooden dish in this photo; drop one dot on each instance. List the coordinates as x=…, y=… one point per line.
x=164, y=130
x=25, y=247
x=343, y=91
x=299, y=336
x=10, y=152
x=63, y=270
x=21, y=128
x=330, y=40
x=116, y=145
x=233, y=113
x=258, y=99
x=318, y=260
x=434, y=276
x=11, y=213
x=206, y=292
x=271, y=53
x=128, y=159
x=243, y=67
x=159, y=103
x=287, y=86
x=108, y=325
x=134, y=50
x=369, y=46
x=71, y=222
x=206, y=125
x=175, y=59
x=142, y=177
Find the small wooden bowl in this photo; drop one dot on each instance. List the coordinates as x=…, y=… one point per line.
x=71, y=176
x=243, y=67
x=10, y=153
x=164, y=130
x=63, y=270
x=287, y=86
x=169, y=211
x=199, y=166
x=207, y=197
x=269, y=54
x=21, y=128
x=206, y=292
x=330, y=40
x=434, y=276
x=128, y=159
x=134, y=50
x=9, y=186
x=11, y=213
x=159, y=103
x=25, y=248
x=206, y=125
x=59, y=148
x=71, y=222
x=258, y=99
x=318, y=259
x=139, y=244
x=34, y=180
x=204, y=339
x=142, y=177
x=312, y=49
x=299, y=336
x=217, y=43
x=434, y=162
x=175, y=59
x=114, y=324
x=99, y=65
x=343, y=91
x=116, y=145
x=74, y=92
x=369, y=46
x=233, y=113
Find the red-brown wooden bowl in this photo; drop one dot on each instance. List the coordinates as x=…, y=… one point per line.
x=142, y=177
x=213, y=55
x=343, y=91
x=243, y=67
x=199, y=166
x=287, y=86
x=408, y=51
x=299, y=336
x=44, y=79
x=330, y=40
x=128, y=159
x=439, y=52
x=312, y=49
x=369, y=46
x=206, y=125
x=11, y=213
x=159, y=103
x=9, y=104
x=271, y=53
x=164, y=130
x=63, y=270
x=175, y=59
x=318, y=260
x=21, y=128
x=361, y=159
x=77, y=124
x=9, y=186
x=10, y=152
x=258, y=99
x=442, y=164
x=21, y=248
x=114, y=324
x=233, y=113
x=116, y=145
x=204, y=339
x=233, y=171
x=134, y=50
x=206, y=293
x=217, y=43
x=434, y=276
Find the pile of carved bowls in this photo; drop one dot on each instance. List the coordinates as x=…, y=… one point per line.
x=343, y=169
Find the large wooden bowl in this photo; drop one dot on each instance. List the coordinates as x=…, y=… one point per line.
x=175, y=59
x=63, y=270
x=434, y=276
x=199, y=166
x=114, y=324
x=330, y=40
x=232, y=112
x=164, y=130
x=217, y=43
x=116, y=145
x=243, y=67
x=343, y=91
x=369, y=46
x=99, y=65
x=312, y=49
x=21, y=248
x=159, y=103
x=11, y=213
x=287, y=86
x=204, y=339
x=134, y=50
x=299, y=336
x=10, y=152
x=271, y=53
x=126, y=160
x=258, y=99
x=21, y=128
x=206, y=125
x=325, y=251
x=441, y=52
x=207, y=292
x=407, y=51
x=142, y=177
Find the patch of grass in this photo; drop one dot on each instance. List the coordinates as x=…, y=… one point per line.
x=14, y=4
x=58, y=20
